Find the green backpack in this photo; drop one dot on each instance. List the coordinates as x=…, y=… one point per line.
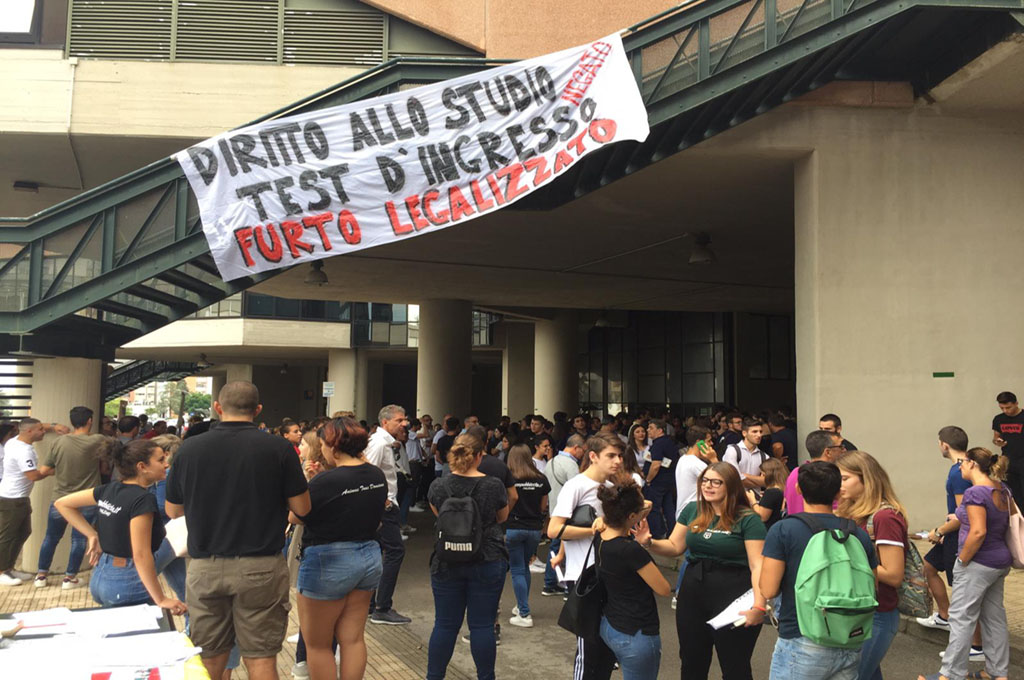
x=835, y=587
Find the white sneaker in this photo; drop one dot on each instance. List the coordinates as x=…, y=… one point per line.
x=976, y=654
x=934, y=621
x=40, y=582
x=405, y=537
x=408, y=529
x=71, y=583
x=300, y=671
x=674, y=598
x=521, y=621
x=416, y=508
x=294, y=639
x=537, y=567
x=8, y=580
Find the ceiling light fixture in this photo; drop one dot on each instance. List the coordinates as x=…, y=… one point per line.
x=284, y=369
x=702, y=253
x=316, y=276
x=203, y=364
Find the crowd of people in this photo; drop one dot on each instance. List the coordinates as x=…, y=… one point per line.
x=323, y=506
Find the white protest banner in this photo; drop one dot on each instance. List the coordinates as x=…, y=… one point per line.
x=309, y=186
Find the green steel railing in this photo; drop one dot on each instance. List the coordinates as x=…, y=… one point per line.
x=130, y=255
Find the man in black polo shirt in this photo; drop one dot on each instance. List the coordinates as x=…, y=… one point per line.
x=660, y=478
x=235, y=486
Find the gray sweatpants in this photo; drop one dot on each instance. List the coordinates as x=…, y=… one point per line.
x=977, y=596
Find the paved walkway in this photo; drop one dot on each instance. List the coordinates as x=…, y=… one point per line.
x=394, y=653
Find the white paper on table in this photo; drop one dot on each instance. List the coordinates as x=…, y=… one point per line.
x=115, y=621
x=731, y=614
x=44, y=621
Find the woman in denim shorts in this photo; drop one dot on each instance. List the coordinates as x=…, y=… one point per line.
x=340, y=563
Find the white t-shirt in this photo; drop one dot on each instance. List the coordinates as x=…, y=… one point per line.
x=580, y=490
x=438, y=467
x=540, y=464
x=19, y=458
x=1, y=461
x=749, y=463
x=688, y=470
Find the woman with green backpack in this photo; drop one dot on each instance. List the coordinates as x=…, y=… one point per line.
x=867, y=497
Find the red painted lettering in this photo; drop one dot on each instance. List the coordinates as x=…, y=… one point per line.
x=482, y=203
x=538, y=165
x=272, y=252
x=562, y=161
x=293, y=236
x=437, y=219
x=318, y=222
x=348, y=225
x=243, y=238
x=460, y=207
x=577, y=143
x=499, y=196
x=412, y=204
x=513, y=190
x=603, y=130
x=396, y=224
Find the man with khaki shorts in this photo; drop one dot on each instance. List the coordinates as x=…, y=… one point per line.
x=235, y=486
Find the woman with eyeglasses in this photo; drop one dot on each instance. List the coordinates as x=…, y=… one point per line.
x=724, y=537
x=982, y=563
x=867, y=497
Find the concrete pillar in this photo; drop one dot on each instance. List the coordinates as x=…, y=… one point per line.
x=57, y=386
x=444, y=363
x=904, y=284
x=362, y=389
x=342, y=370
x=217, y=382
x=238, y=372
x=555, y=378
x=517, y=370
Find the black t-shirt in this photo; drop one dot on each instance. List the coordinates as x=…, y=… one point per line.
x=772, y=499
x=348, y=503
x=444, y=445
x=526, y=513
x=630, y=606
x=728, y=438
x=490, y=497
x=118, y=504
x=790, y=451
x=1011, y=429
x=235, y=482
x=663, y=449
x=492, y=466
x=849, y=446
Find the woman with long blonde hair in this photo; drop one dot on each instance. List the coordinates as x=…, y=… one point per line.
x=867, y=497
x=724, y=537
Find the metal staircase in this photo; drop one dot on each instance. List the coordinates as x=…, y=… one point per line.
x=94, y=272
x=135, y=374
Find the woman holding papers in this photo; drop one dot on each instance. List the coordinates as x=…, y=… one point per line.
x=724, y=537
x=128, y=529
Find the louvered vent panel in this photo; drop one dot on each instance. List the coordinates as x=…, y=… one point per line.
x=227, y=30
x=345, y=37
x=121, y=29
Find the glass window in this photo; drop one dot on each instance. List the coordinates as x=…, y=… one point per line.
x=399, y=313
x=380, y=312
x=344, y=311
x=313, y=310
x=258, y=305
x=360, y=311
x=285, y=308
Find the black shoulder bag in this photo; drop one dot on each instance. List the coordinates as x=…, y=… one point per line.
x=582, y=611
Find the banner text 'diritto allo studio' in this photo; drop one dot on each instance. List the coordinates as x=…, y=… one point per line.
x=333, y=181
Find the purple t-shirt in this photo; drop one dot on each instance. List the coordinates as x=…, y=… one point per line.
x=993, y=552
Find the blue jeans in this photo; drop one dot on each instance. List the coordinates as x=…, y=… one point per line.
x=550, y=578
x=333, y=570
x=663, y=501
x=471, y=591
x=522, y=545
x=117, y=586
x=871, y=654
x=172, y=567
x=55, y=528
x=801, y=659
x=639, y=655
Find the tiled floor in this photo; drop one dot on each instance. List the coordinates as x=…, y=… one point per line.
x=393, y=652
